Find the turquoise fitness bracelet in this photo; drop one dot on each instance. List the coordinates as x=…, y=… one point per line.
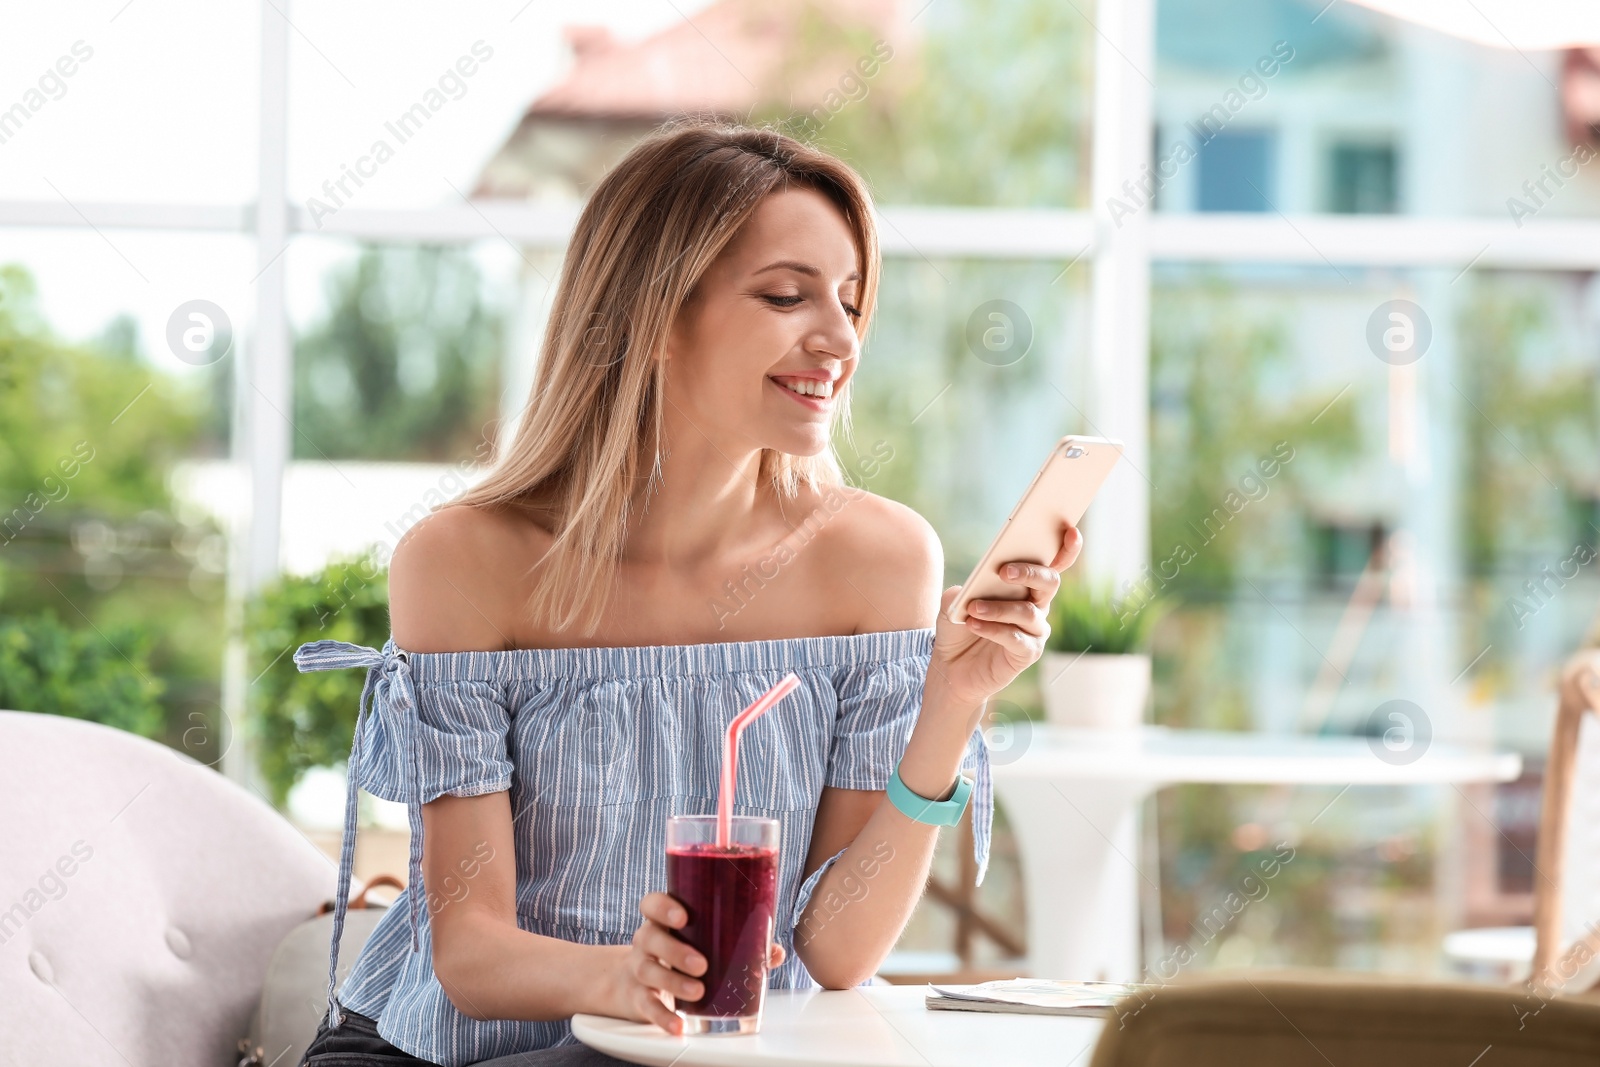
x=932, y=812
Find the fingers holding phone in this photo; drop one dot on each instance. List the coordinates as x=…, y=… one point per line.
x=995, y=624
x=1007, y=620
x=1071, y=547
x=1042, y=581
x=1030, y=614
x=1041, y=531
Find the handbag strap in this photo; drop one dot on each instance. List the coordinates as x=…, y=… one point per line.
x=359, y=900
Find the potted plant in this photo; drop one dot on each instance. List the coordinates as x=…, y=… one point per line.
x=1095, y=672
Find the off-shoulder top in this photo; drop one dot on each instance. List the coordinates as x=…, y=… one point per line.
x=597, y=747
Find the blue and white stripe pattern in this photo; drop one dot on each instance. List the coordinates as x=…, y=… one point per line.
x=597, y=747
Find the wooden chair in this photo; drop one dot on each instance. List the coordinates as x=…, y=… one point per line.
x=1557, y=950
x=1566, y=953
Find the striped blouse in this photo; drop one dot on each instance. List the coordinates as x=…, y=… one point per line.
x=598, y=746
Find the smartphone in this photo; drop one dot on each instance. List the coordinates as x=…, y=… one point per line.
x=1058, y=496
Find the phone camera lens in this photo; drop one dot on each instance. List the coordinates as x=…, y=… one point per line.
x=1071, y=452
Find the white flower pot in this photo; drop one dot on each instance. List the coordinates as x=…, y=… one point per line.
x=1093, y=691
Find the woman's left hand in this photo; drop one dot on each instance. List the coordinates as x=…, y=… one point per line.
x=978, y=658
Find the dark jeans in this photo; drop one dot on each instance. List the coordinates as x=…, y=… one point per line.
x=356, y=1044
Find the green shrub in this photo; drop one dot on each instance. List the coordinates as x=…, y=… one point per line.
x=308, y=720
x=91, y=533
x=1085, y=618
x=102, y=675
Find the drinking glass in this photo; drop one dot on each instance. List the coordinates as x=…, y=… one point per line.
x=730, y=894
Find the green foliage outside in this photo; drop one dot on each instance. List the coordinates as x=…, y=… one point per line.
x=992, y=111
x=55, y=394
x=1524, y=407
x=1528, y=442
x=48, y=667
x=1236, y=451
x=1517, y=386
x=111, y=595
x=308, y=720
x=104, y=587
x=404, y=364
x=1231, y=432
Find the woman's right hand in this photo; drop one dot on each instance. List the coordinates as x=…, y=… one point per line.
x=658, y=968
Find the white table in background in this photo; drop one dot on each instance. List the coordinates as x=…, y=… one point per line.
x=1073, y=798
x=869, y=1026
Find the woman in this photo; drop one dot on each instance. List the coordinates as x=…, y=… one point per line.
x=668, y=534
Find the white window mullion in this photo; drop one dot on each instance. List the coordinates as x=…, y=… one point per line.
x=1117, y=537
x=263, y=393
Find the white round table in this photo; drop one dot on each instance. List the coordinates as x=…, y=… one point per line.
x=1073, y=796
x=869, y=1026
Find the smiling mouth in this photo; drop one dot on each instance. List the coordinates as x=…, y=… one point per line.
x=810, y=388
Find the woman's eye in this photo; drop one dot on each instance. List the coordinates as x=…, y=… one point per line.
x=791, y=301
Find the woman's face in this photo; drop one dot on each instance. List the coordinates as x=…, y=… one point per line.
x=761, y=351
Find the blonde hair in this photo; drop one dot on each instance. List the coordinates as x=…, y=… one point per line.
x=592, y=427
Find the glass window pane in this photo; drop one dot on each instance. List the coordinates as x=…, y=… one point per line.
x=112, y=561
x=1370, y=114
x=985, y=105
x=1344, y=522
x=1362, y=179
x=1236, y=171
x=406, y=359
x=398, y=349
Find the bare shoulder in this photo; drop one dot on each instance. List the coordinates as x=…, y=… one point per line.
x=452, y=576
x=890, y=556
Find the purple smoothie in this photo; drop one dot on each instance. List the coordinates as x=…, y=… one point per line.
x=731, y=897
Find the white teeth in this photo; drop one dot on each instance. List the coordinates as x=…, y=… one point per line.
x=807, y=387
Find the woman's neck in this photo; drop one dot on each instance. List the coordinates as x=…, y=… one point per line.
x=703, y=505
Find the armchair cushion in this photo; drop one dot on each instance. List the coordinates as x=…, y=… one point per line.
x=141, y=896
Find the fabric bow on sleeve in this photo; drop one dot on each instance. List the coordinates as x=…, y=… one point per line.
x=977, y=758
x=389, y=693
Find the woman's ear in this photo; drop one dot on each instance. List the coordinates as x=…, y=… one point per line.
x=673, y=339
x=682, y=322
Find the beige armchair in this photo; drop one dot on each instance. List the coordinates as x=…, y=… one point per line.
x=1313, y=1020
x=141, y=896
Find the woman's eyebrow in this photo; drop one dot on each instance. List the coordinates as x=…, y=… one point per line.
x=803, y=268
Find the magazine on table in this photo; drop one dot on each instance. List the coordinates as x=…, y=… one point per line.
x=1030, y=996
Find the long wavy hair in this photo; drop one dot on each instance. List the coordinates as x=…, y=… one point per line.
x=592, y=428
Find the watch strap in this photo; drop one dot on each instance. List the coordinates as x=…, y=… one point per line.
x=921, y=809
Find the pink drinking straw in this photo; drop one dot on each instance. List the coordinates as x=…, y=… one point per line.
x=730, y=752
